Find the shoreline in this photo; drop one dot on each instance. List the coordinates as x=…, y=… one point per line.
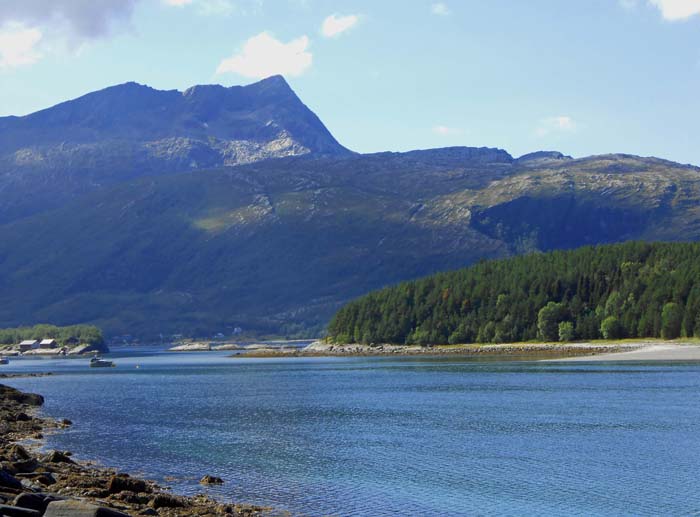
x=626, y=350
x=321, y=349
x=660, y=352
x=53, y=483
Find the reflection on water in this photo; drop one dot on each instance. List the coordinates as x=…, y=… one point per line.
x=391, y=436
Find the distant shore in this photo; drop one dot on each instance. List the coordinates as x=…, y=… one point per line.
x=54, y=483
x=682, y=350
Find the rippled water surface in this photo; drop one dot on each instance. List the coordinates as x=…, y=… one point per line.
x=386, y=436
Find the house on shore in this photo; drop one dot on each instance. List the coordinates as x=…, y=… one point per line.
x=48, y=344
x=28, y=344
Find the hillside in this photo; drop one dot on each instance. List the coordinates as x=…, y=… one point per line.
x=196, y=212
x=614, y=291
x=130, y=130
x=280, y=245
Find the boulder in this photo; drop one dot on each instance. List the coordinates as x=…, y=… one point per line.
x=79, y=509
x=168, y=501
x=18, y=453
x=25, y=466
x=15, y=511
x=37, y=502
x=31, y=399
x=7, y=480
x=132, y=497
x=122, y=483
x=211, y=480
x=45, y=479
x=58, y=457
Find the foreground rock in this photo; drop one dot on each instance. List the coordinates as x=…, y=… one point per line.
x=211, y=480
x=55, y=485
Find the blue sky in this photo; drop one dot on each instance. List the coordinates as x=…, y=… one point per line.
x=580, y=76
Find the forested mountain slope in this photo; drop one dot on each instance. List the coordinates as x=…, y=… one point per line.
x=615, y=291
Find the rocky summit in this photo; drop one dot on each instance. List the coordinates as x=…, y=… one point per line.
x=131, y=130
x=199, y=212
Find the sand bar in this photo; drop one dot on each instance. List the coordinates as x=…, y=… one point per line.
x=666, y=352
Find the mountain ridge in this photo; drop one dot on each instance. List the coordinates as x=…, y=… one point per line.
x=192, y=236
x=132, y=130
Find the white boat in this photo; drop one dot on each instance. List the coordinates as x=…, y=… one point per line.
x=98, y=362
x=4, y=360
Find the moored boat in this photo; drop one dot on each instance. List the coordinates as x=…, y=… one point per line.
x=4, y=360
x=98, y=362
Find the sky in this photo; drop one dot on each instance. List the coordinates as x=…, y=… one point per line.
x=579, y=76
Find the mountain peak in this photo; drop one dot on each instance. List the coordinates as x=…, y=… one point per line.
x=539, y=157
x=257, y=114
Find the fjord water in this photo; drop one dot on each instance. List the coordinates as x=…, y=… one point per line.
x=391, y=436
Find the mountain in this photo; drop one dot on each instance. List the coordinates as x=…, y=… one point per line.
x=130, y=130
x=110, y=215
x=280, y=245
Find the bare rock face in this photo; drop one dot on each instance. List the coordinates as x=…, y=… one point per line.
x=131, y=130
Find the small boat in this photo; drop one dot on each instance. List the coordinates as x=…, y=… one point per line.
x=98, y=362
x=4, y=360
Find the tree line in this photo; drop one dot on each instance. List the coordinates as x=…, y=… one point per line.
x=73, y=334
x=630, y=290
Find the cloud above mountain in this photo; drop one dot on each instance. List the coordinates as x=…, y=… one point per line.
x=18, y=46
x=671, y=10
x=263, y=55
x=675, y=10
x=553, y=125
x=29, y=29
x=335, y=25
x=79, y=19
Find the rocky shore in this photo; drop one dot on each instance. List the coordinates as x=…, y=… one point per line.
x=535, y=350
x=52, y=484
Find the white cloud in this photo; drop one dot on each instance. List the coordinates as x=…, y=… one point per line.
x=676, y=10
x=213, y=7
x=440, y=9
x=263, y=56
x=558, y=124
x=216, y=7
x=18, y=46
x=446, y=130
x=335, y=25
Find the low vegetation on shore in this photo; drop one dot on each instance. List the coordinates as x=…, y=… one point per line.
x=631, y=290
x=73, y=334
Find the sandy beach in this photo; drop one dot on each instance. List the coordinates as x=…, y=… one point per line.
x=661, y=352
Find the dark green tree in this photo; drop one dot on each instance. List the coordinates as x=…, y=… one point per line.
x=671, y=320
x=548, y=319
